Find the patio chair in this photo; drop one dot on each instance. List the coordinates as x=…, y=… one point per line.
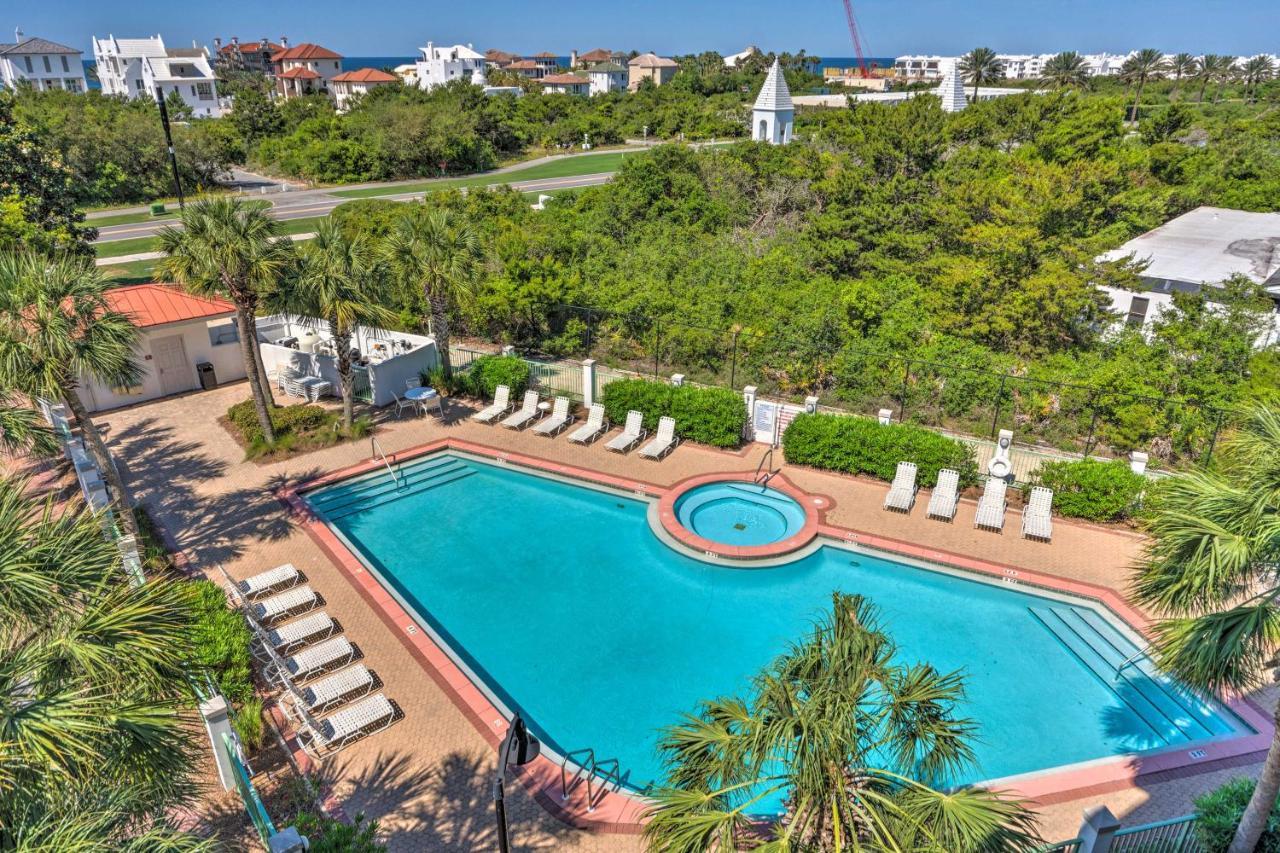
x=500, y=406
x=902, y=492
x=631, y=433
x=314, y=661
x=280, y=578
x=557, y=421
x=415, y=382
x=664, y=440
x=342, y=728
x=942, y=503
x=526, y=414
x=1037, y=515
x=277, y=608
x=311, y=628
x=595, y=426
x=402, y=404
x=333, y=691
x=991, y=506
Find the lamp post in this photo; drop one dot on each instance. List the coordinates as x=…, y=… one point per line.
x=519, y=747
x=168, y=141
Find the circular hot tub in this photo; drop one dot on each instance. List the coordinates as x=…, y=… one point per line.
x=731, y=517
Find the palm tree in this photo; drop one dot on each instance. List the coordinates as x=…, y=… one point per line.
x=1210, y=572
x=1214, y=68
x=844, y=733
x=56, y=331
x=1066, y=69
x=980, y=66
x=94, y=751
x=341, y=281
x=229, y=248
x=1146, y=64
x=1182, y=65
x=1256, y=70
x=441, y=255
x=23, y=431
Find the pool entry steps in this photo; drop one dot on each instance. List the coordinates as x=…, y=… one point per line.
x=1173, y=714
x=368, y=492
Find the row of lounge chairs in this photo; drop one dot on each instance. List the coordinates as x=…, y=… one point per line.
x=327, y=692
x=1037, y=517
x=531, y=411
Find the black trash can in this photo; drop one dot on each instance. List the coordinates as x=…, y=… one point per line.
x=208, y=380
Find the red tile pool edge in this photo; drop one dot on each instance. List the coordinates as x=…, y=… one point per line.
x=622, y=813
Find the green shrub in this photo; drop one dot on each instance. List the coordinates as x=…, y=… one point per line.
x=220, y=641
x=249, y=725
x=483, y=376
x=157, y=208
x=1098, y=491
x=856, y=445
x=289, y=421
x=714, y=416
x=1219, y=812
x=333, y=836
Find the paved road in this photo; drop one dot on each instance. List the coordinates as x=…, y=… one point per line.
x=305, y=203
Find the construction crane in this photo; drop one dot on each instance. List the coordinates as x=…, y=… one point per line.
x=857, y=41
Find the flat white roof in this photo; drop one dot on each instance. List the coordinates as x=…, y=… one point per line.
x=1209, y=245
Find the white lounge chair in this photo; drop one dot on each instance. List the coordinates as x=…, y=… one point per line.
x=558, y=420
x=366, y=717
x=902, y=492
x=500, y=406
x=664, y=440
x=631, y=433
x=291, y=602
x=314, y=661
x=991, y=506
x=942, y=503
x=595, y=426
x=1037, y=515
x=273, y=580
x=311, y=628
x=332, y=691
x=526, y=414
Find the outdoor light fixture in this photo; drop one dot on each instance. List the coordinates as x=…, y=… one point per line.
x=518, y=747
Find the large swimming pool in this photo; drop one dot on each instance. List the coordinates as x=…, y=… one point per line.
x=563, y=604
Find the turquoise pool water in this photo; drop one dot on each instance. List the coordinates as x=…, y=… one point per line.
x=565, y=605
x=739, y=513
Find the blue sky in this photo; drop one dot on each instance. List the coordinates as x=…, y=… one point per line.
x=397, y=27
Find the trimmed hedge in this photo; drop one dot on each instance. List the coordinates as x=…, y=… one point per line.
x=714, y=416
x=856, y=445
x=220, y=640
x=287, y=420
x=1089, y=489
x=483, y=376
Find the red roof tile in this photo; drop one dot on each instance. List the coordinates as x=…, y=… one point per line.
x=366, y=75
x=158, y=304
x=298, y=73
x=305, y=51
x=524, y=63
x=563, y=80
x=248, y=46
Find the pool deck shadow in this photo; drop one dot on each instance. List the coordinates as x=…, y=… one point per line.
x=427, y=778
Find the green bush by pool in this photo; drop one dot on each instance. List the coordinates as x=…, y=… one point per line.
x=862, y=446
x=714, y=416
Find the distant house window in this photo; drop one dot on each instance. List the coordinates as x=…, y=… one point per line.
x=30, y=68
x=73, y=85
x=138, y=85
x=203, y=90
x=1138, y=311
x=224, y=333
x=66, y=66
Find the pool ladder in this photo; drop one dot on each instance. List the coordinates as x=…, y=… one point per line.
x=1131, y=660
x=604, y=772
x=765, y=466
x=375, y=452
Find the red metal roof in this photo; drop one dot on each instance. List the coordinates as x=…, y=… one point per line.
x=365, y=75
x=158, y=304
x=298, y=73
x=563, y=80
x=306, y=51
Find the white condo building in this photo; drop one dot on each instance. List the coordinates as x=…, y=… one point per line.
x=42, y=64
x=445, y=63
x=773, y=115
x=1017, y=66
x=135, y=68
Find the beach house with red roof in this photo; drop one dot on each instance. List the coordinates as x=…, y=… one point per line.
x=185, y=342
x=305, y=69
x=348, y=84
x=254, y=56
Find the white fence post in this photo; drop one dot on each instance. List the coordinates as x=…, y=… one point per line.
x=749, y=398
x=588, y=382
x=217, y=722
x=1098, y=830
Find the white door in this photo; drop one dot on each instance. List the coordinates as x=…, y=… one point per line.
x=170, y=358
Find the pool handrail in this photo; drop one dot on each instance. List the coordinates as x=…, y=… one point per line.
x=756, y=478
x=375, y=452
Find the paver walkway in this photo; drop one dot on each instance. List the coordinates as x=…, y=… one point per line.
x=427, y=779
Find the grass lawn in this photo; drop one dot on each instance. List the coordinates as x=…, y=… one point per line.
x=128, y=219
x=134, y=272
x=564, y=167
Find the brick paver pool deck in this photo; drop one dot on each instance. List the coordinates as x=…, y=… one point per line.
x=427, y=778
